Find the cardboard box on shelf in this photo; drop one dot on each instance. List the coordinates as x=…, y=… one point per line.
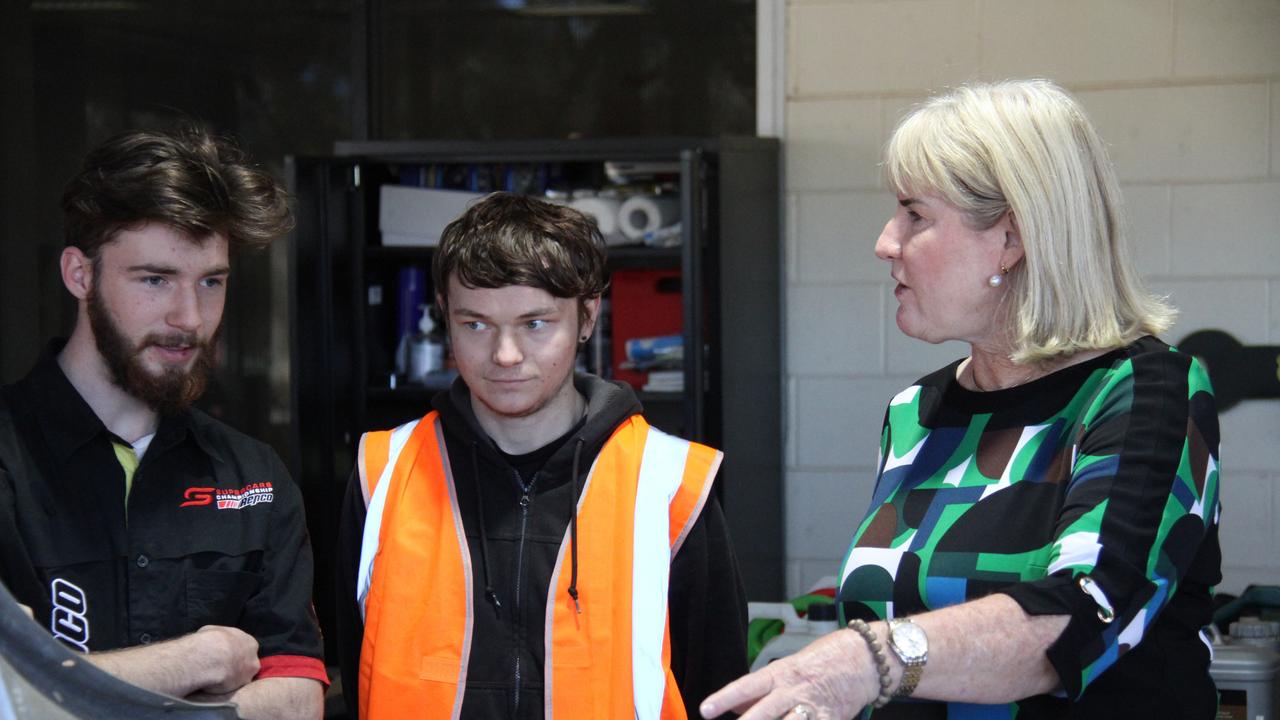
x=413, y=216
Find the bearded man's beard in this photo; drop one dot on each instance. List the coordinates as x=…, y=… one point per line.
x=172, y=390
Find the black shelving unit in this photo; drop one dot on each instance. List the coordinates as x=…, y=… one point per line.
x=730, y=281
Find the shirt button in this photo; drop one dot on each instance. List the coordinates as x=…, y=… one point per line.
x=143, y=561
x=145, y=638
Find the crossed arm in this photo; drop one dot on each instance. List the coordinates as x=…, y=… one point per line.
x=215, y=664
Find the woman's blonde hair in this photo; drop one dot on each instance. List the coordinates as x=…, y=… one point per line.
x=1026, y=146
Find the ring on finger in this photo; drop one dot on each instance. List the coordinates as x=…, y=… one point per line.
x=803, y=711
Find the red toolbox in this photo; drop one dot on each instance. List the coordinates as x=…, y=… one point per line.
x=645, y=303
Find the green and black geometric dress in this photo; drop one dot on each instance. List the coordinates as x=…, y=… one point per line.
x=1091, y=492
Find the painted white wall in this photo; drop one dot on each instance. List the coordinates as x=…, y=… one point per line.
x=1186, y=92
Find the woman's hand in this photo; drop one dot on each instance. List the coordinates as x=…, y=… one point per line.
x=831, y=679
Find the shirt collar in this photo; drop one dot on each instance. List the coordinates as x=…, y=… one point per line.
x=67, y=420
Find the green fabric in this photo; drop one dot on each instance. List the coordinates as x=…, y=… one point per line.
x=1107, y=469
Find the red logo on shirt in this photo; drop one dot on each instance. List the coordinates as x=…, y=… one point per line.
x=196, y=496
x=229, y=498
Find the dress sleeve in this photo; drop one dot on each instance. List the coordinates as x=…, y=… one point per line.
x=708, y=611
x=1142, y=500
x=280, y=614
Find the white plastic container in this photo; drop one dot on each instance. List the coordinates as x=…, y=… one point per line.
x=798, y=632
x=425, y=351
x=1245, y=667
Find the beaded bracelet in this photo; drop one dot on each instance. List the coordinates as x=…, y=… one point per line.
x=882, y=662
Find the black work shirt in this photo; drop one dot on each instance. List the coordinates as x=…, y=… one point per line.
x=214, y=532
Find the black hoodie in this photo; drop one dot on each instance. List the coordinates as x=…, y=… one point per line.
x=514, y=528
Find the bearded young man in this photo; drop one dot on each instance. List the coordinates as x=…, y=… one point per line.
x=532, y=547
x=168, y=547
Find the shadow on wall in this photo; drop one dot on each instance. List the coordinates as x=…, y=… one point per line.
x=1238, y=372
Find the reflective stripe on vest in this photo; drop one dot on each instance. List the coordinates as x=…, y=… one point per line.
x=405, y=661
x=375, y=451
x=643, y=493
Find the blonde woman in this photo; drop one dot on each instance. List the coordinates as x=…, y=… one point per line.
x=1042, y=540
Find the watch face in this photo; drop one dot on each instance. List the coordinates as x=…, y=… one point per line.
x=910, y=640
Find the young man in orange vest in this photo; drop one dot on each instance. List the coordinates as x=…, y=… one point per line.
x=532, y=547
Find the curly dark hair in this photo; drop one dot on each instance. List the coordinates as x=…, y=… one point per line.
x=188, y=179
x=508, y=239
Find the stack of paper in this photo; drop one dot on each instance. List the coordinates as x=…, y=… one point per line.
x=665, y=381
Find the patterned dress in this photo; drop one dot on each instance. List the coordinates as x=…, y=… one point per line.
x=1091, y=492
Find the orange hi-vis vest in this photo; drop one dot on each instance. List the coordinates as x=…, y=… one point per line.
x=610, y=659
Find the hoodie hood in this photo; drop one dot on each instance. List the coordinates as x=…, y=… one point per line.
x=609, y=403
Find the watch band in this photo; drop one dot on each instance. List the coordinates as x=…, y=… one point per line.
x=913, y=667
x=910, y=678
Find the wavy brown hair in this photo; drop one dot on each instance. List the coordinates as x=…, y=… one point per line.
x=188, y=179
x=508, y=239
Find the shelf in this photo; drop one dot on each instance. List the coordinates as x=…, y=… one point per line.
x=407, y=390
x=622, y=257
x=627, y=257
x=594, y=150
x=399, y=253
x=410, y=393
x=403, y=393
x=727, y=306
x=650, y=397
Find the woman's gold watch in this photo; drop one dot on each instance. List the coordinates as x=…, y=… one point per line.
x=911, y=646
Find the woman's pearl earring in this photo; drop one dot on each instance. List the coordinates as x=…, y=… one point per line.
x=998, y=279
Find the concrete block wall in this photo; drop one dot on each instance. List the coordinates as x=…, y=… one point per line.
x=1187, y=94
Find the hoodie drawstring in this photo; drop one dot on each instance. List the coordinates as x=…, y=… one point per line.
x=489, y=594
x=573, y=525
